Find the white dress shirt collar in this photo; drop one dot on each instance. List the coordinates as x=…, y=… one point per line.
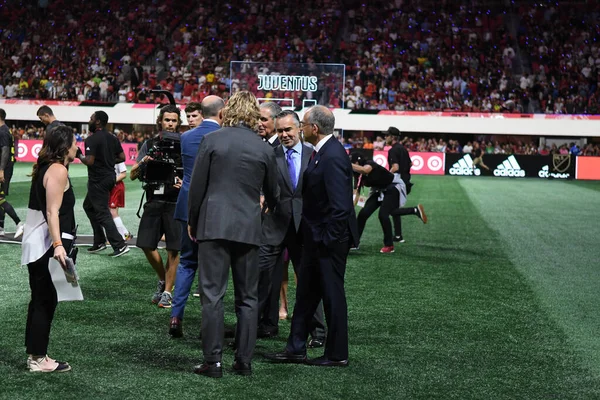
x=322, y=142
x=272, y=139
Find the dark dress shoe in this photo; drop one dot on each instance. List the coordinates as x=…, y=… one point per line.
x=175, y=329
x=286, y=357
x=315, y=343
x=264, y=333
x=212, y=370
x=242, y=368
x=326, y=362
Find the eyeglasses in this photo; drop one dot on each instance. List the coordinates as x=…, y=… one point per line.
x=303, y=124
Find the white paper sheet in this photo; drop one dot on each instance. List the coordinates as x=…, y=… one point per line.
x=64, y=290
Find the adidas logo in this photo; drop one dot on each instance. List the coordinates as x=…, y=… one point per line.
x=464, y=167
x=510, y=167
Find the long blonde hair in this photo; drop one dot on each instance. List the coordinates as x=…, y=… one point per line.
x=242, y=109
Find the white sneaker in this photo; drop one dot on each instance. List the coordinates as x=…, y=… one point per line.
x=30, y=357
x=20, y=229
x=46, y=364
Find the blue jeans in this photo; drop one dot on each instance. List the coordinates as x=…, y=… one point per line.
x=186, y=272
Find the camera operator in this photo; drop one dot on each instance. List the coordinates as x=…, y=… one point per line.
x=157, y=218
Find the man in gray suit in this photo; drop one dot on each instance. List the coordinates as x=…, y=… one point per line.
x=232, y=166
x=266, y=125
x=281, y=229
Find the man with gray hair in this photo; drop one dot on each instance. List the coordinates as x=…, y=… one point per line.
x=266, y=124
x=329, y=229
x=281, y=229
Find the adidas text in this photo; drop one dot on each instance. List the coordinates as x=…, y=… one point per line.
x=464, y=167
x=510, y=167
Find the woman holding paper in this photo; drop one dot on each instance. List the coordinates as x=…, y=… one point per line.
x=49, y=233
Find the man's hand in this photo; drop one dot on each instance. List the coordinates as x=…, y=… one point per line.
x=1, y=175
x=190, y=234
x=178, y=183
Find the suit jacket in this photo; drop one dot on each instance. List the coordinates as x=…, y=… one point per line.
x=289, y=209
x=190, y=141
x=232, y=166
x=327, y=210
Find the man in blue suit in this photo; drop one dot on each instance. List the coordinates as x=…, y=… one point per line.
x=211, y=108
x=329, y=229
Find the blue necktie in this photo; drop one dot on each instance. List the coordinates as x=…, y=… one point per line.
x=291, y=167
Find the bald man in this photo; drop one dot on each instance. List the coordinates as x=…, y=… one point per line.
x=211, y=109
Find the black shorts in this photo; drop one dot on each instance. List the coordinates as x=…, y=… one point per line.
x=8, y=173
x=157, y=220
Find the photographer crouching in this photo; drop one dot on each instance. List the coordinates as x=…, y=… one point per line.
x=159, y=166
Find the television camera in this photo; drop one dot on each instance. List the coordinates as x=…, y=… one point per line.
x=165, y=164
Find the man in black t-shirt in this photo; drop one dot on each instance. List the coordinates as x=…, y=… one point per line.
x=388, y=193
x=47, y=117
x=399, y=163
x=102, y=151
x=398, y=157
x=478, y=156
x=7, y=160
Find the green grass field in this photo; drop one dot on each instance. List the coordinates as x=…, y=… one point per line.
x=496, y=298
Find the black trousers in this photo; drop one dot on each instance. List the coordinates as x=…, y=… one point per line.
x=321, y=276
x=390, y=202
x=95, y=206
x=41, y=306
x=5, y=206
x=388, y=207
x=214, y=259
x=270, y=264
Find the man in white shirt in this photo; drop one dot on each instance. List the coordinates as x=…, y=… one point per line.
x=468, y=148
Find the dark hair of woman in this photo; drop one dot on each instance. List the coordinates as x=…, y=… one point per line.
x=55, y=148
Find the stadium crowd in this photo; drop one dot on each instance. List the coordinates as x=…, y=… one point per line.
x=399, y=55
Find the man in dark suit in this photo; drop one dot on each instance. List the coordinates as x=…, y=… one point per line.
x=232, y=166
x=266, y=126
x=281, y=228
x=211, y=109
x=328, y=229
